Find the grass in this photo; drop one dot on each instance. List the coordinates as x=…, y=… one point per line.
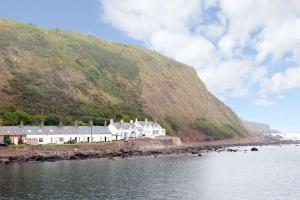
x=95, y=70
x=214, y=131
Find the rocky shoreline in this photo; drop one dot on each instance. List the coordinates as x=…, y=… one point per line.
x=126, y=150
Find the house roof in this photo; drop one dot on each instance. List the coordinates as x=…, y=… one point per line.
x=148, y=123
x=125, y=126
x=52, y=130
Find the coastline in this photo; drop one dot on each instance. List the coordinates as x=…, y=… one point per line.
x=124, y=150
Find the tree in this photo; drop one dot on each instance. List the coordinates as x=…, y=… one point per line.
x=52, y=120
x=7, y=140
x=23, y=116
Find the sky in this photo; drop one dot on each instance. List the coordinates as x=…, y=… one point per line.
x=246, y=52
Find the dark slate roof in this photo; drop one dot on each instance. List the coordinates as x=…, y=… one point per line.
x=125, y=126
x=52, y=130
x=148, y=123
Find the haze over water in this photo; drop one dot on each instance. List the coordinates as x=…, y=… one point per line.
x=271, y=173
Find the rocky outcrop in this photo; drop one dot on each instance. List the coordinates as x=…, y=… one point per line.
x=125, y=150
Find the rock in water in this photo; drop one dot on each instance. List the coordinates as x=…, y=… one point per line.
x=232, y=150
x=254, y=149
x=4, y=161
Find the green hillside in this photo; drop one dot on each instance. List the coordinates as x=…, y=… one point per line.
x=70, y=76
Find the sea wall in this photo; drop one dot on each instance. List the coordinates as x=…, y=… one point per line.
x=87, y=150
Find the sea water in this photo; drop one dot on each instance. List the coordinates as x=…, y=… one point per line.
x=271, y=173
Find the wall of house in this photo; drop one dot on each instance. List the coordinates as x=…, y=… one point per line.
x=158, y=131
x=61, y=139
x=31, y=141
x=117, y=134
x=15, y=139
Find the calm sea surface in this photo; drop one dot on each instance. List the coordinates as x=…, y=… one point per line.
x=271, y=173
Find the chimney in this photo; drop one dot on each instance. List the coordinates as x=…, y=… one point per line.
x=21, y=124
x=105, y=123
x=122, y=121
x=131, y=121
x=111, y=121
x=146, y=120
x=76, y=124
x=42, y=123
x=60, y=124
x=91, y=123
x=136, y=120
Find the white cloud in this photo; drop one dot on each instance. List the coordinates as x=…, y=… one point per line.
x=264, y=102
x=143, y=19
x=275, y=18
x=289, y=79
x=231, y=78
x=279, y=97
x=215, y=45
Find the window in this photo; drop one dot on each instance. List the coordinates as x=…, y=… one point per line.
x=61, y=139
x=41, y=140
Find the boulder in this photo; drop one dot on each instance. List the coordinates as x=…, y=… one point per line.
x=232, y=150
x=4, y=161
x=254, y=149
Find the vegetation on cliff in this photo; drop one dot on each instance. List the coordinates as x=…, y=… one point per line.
x=70, y=76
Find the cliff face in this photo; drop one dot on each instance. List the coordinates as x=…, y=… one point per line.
x=258, y=128
x=77, y=77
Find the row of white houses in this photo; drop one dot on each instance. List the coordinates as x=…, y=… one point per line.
x=61, y=134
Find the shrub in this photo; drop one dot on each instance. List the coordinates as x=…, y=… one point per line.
x=7, y=140
x=214, y=131
x=52, y=120
x=71, y=142
x=20, y=141
x=173, y=123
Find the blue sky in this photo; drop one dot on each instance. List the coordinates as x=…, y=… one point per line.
x=243, y=51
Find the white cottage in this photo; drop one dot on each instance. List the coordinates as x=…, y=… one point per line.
x=149, y=129
x=62, y=134
x=121, y=130
x=55, y=134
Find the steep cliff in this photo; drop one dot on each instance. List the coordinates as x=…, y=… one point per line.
x=75, y=76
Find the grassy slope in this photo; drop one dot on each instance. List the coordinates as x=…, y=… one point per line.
x=76, y=76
